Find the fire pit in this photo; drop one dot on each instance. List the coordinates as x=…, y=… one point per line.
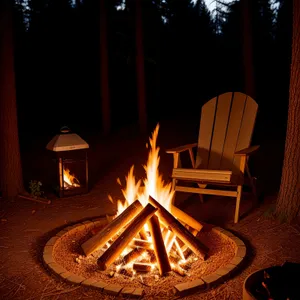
x=276, y=282
x=71, y=162
x=148, y=242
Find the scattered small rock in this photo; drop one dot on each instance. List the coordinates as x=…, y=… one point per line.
x=77, y=259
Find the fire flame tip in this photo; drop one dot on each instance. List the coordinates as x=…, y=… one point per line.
x=110, y=199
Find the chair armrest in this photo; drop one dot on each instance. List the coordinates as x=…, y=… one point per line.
x=181, y=148
x=247, y=151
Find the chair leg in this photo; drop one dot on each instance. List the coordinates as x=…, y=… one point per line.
x=201, y=186
x=237, y=205
x=201, y=198
x=252, y=181
x=174, y=181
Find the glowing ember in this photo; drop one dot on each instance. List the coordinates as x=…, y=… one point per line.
x=70, y=181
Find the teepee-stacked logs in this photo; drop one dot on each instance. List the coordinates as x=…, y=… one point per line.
x=179, y=230
x=159, y=246
x=112, y=253
x=102, y=237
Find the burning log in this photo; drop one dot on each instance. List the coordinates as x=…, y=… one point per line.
x=180, y=252
x=170, y=238
x=141, y=243
x=143, y=234
x=185, y=247
x=126, y=272
x=193, y=243
x=102, y=237
x=97, y=229
x=122, y=241
x=152, y=256
x=159, y=246
x=185, y=218
x=141, y=267
x=166, y=236
x=132, y=255
x=187, y=253
x=172, y=241
x=164, y=230
x=173, y=258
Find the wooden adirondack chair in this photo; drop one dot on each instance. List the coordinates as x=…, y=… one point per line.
x=223, y=148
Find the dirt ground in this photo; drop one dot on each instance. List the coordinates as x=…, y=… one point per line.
x=26, y=226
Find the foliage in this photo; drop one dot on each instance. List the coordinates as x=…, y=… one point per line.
x=35, y=188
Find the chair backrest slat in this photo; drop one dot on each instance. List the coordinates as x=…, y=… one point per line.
x=205, y=133
x=219, y=132
x=226, y=126
x=246, y=129
x=234, y=125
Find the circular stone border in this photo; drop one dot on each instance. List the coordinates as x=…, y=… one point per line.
x=181, y=289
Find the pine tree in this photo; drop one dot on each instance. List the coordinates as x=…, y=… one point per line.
x=11, y=180
x=288, y=201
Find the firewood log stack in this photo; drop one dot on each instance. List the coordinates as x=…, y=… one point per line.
x=168, y=237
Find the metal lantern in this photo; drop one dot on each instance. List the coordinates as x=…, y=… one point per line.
x=72, y=162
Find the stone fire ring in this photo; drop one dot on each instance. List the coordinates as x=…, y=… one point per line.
x=182, y=289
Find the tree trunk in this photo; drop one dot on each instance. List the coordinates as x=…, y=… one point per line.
x=105, y=105
x=288, y=201
x=249, y=85
x=11, y=180
x=140, y=72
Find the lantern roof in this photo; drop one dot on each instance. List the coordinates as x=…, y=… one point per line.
x=66, y=141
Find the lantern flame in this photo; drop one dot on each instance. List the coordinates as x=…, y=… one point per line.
x=70, y=180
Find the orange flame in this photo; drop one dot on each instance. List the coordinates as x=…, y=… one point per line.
x=154, y=185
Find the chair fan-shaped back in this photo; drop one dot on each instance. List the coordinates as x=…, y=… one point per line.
x=226, y=126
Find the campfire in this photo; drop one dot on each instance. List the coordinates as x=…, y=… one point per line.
x=149, y=234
